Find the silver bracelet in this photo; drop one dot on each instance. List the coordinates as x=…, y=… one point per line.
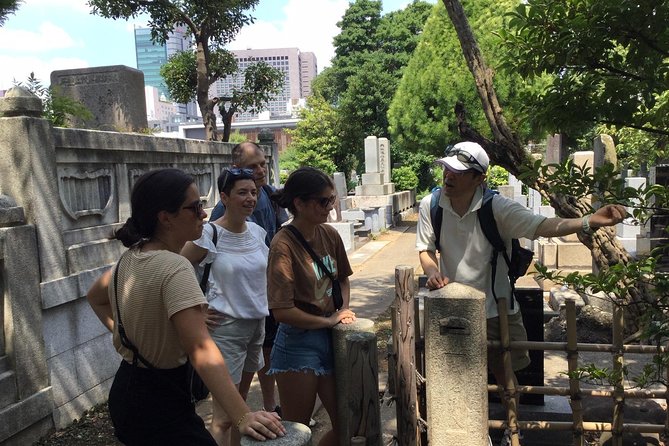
x=585, y=225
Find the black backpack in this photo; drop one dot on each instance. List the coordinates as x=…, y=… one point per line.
x=521, y=258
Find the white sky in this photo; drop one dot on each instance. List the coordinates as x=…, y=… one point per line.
x=48, y=35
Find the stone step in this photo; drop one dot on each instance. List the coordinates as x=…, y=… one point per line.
x=8, y=390
x=362, y=232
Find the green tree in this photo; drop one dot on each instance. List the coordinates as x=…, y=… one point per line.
x=371, y=52
x=437, y=78
x=356, y=39
x=566, y=187
x=8, y=7
x=212, y=24
x=261, y=82
x=316, y=139
x=609, y=61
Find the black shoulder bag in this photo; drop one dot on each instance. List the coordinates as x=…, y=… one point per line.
x=197, y=389
x=337, y=298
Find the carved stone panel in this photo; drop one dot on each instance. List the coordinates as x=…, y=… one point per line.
x=88, y=195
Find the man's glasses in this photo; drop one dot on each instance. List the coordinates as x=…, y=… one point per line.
x=465, y=158
x=197, y=207
x=324, y=201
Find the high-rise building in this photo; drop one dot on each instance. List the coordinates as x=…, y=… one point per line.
x=299, y=68
x=151, y=56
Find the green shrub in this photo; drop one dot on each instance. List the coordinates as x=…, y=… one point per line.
x=404, y=178
x=497, y=176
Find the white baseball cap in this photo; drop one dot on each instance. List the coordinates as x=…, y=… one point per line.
x=464, y=156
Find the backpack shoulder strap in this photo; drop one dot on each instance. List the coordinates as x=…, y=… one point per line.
x=436, y=215
x=491, y=232
x=488, y=223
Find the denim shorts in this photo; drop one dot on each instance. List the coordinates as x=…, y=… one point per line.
x=298, y=349
x=240, y=342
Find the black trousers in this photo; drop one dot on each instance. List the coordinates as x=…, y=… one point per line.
x=152, y=407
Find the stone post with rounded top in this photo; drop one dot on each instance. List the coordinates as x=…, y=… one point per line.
x=297, y=434
x=357, y=377
x=456, y=366
x=28, y=174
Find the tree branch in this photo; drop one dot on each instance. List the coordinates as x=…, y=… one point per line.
x=633, y=33
x=634, y=126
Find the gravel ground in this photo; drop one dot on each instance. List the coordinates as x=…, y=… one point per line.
x=94, y=428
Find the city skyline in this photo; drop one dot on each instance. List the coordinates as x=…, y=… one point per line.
x=48, y=35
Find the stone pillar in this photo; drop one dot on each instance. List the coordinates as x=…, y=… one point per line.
x=341, y=190
x=297, y=434
x=28, y=174
x=456, y=366
x=266, y=138
x=23, y=320
x=605, y=151
x=555, y=150
x=113, y=94
x=384, y=160
x=371, y=154
x=26, y=399
x=358, y=409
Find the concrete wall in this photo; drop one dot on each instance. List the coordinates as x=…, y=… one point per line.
x=71, y=188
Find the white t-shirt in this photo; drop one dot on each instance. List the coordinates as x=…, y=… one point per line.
x=238, y=276
x=466, y=253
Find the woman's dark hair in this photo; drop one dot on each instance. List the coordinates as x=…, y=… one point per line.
x=155, y=191
x=302, y=183
x=229, y=176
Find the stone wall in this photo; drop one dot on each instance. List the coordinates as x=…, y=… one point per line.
x=72, y=188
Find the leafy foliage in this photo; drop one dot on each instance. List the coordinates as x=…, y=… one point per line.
x=608, y=61
x=497, y=176
x=261, y=83
x=421, y=113
x=604, y=184
x=212, y=24
x=404, y=178
x=370, y=54
x=180, y=75
x=619, y=280
x=315, y=141
x=8, y=7
x=57, y=108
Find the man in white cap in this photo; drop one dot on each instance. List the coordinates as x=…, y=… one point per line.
x=465, y=252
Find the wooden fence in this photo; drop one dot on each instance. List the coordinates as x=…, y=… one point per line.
x=408, y=382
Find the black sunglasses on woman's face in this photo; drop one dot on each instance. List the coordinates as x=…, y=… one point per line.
x=324, y=201
x=197, y=207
